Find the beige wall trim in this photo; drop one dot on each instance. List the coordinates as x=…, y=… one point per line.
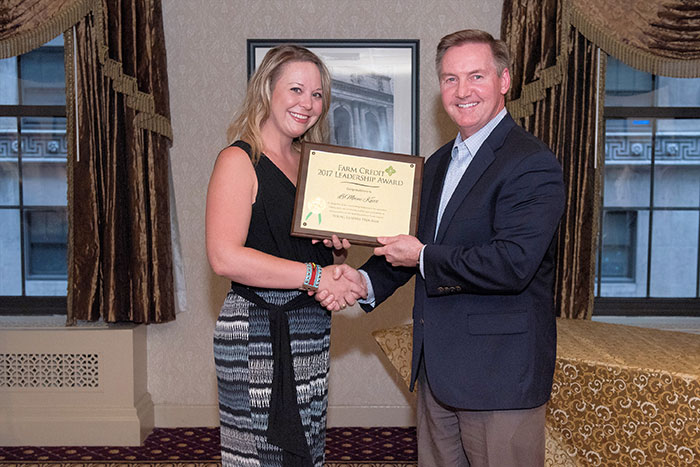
x=173, y=416
x=371, y=416
x=76, y=425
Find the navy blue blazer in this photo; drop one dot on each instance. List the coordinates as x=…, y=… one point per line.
x=483, y=317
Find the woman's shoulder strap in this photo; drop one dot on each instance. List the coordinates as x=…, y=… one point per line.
x=243, y=145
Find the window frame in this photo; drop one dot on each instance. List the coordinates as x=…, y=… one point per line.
x=32, y=305
x=645, y=306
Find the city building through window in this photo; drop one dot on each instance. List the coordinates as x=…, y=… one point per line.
x=650, y=221
x=33, y=188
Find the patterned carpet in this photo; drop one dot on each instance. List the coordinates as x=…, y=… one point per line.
x=199, y=447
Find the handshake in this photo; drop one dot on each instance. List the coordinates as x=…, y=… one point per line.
x=340, y=286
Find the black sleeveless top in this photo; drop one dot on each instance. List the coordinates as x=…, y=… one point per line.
x=271, y=218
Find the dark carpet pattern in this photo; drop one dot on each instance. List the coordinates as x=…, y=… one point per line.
x=199, y=447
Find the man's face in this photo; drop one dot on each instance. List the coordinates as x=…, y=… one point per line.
x=472, y=92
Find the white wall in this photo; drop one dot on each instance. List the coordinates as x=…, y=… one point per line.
x=206, y=44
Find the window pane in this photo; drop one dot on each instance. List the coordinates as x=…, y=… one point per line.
x=677, y=92
x=618, y=242
x=43, y=77
x=9, y=183
x=626, y=186
x=677, y=186
x=674, y=260
x=627, y=87
x=8, y=81
x=44, y=163
x=46, y=240
x=9, y=172
x=637, y=236
x=677, y=169
x=46, y=252
x=10, y=253
x=628, y=140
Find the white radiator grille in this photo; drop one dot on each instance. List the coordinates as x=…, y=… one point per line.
x=44, y=370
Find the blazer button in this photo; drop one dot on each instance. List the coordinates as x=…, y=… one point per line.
x=458, y=288
x=441, y=289
x=421, y=321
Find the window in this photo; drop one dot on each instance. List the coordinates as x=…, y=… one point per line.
x=649, y=250
x=33, y=188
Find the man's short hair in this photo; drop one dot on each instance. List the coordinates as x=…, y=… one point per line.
x=499, y=50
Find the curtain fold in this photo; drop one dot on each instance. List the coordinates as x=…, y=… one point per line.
x=553, y=95
x=121, y=266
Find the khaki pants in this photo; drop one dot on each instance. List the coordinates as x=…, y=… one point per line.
x=449, y=437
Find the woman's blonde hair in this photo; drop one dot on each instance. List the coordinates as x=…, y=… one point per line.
x=256, y=106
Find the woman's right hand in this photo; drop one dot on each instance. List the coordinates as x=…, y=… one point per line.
x=340, y=286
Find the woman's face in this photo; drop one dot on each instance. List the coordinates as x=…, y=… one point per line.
x=297, y=99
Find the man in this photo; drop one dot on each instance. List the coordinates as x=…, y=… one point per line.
x=484, y=331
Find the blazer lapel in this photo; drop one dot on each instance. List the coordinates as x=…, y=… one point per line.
x=481, y=161
x=430, y=221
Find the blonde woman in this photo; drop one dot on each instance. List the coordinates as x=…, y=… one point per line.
x=272, y=339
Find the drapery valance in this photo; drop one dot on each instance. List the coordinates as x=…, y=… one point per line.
x=27, y=24
x=661, y=37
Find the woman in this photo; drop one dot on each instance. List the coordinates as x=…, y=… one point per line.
x=271, y=341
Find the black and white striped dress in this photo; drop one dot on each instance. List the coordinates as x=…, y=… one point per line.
x=243, y=344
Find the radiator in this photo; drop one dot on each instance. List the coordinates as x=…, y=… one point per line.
x=83, y=385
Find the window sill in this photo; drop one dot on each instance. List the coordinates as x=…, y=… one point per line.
x=53, y=322
x=664, y=323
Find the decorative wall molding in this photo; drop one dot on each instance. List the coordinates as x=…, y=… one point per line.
x=621, y=147
x=47, y=371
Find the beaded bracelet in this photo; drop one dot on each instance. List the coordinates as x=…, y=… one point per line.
x=313, y=277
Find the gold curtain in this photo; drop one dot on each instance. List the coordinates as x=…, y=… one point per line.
x=558, y=78
x=120, y=256
x=553, y=95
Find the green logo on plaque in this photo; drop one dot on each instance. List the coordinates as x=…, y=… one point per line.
x=390, y=171
x=315, y=206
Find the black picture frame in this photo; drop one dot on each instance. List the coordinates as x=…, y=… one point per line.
x=375, y=93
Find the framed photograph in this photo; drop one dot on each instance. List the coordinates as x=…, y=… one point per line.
x=356, y=194
x=374, y=90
